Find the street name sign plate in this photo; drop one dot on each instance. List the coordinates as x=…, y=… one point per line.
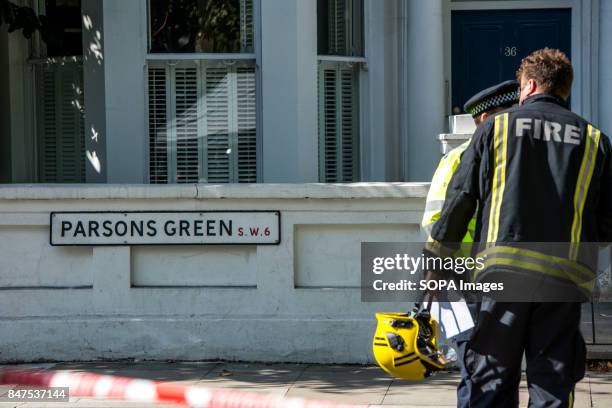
x=165, y=228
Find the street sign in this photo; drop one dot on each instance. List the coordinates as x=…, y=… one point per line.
x=165, y=228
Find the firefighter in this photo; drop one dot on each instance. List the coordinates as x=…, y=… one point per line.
x=482, y=105
x=534, y=173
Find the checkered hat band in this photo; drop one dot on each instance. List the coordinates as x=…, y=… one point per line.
x=494, y=102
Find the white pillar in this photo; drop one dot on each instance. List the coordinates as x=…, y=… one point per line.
x=125, y=39
x=605, y=62
x=424, y=113
x=380, y=94
x=94, y=91
x=115, y=48
x=289, y=91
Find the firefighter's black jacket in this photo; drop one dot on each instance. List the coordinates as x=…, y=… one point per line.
x=534, y=173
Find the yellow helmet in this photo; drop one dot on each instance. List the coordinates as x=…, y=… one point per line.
x=405, y=345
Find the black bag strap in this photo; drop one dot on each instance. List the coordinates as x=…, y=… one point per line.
x=423, y=304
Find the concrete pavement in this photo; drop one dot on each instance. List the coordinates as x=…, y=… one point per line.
x=350, y=384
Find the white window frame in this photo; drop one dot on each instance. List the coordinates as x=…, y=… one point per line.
x=177, y=58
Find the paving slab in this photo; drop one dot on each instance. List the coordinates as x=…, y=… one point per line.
x=11, y=405
x=582, y=393
x=186, y=372
x=438, y=390
x=275, y=379
x=261, y=367
x=349, y=384
x=600, y=389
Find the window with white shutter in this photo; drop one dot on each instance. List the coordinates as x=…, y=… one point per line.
x=60, y=142
x=246, y=125
x=158, y=125
x=202, y=122
x=340, y=43
x=202, y=92
x=338, y=123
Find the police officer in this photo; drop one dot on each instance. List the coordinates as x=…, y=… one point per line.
x=534, y=173
x=482, y=105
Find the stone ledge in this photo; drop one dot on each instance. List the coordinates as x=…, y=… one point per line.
x=213, y=191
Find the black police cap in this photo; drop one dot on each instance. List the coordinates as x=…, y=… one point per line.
x=504, y=95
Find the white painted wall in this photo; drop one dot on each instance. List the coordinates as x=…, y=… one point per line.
x=296, y=302
x=289, y=91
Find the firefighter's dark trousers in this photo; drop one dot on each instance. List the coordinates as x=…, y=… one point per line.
x=463, y=389
x=548, y=334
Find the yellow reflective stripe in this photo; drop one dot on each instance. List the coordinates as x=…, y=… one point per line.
x=499, y=176
x=571, y=399
x=437, y=191
x=577, y=194
x=444, y=174
x=454, y=156
x=545, y=270
x=428, y=227
x=495, y=182
x=582, y=186
x=471, y=229
x=429, y=220
x=555, y=260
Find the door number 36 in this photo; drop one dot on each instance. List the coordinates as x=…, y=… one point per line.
x=510, y=51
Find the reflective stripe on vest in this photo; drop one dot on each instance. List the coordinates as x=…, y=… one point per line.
x=582, y=186
x=549, y=265
x=437, y=191
x=499, y=176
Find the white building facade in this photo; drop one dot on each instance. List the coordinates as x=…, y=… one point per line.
x=138, y=112
x=328, y=91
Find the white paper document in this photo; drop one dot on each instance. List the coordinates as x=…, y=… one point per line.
x=454, y=317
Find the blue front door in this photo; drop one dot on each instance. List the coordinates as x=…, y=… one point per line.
x=487, y=46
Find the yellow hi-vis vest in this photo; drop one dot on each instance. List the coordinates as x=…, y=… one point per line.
x=437, y=192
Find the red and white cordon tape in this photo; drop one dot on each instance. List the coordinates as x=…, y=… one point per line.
x=131, y=389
